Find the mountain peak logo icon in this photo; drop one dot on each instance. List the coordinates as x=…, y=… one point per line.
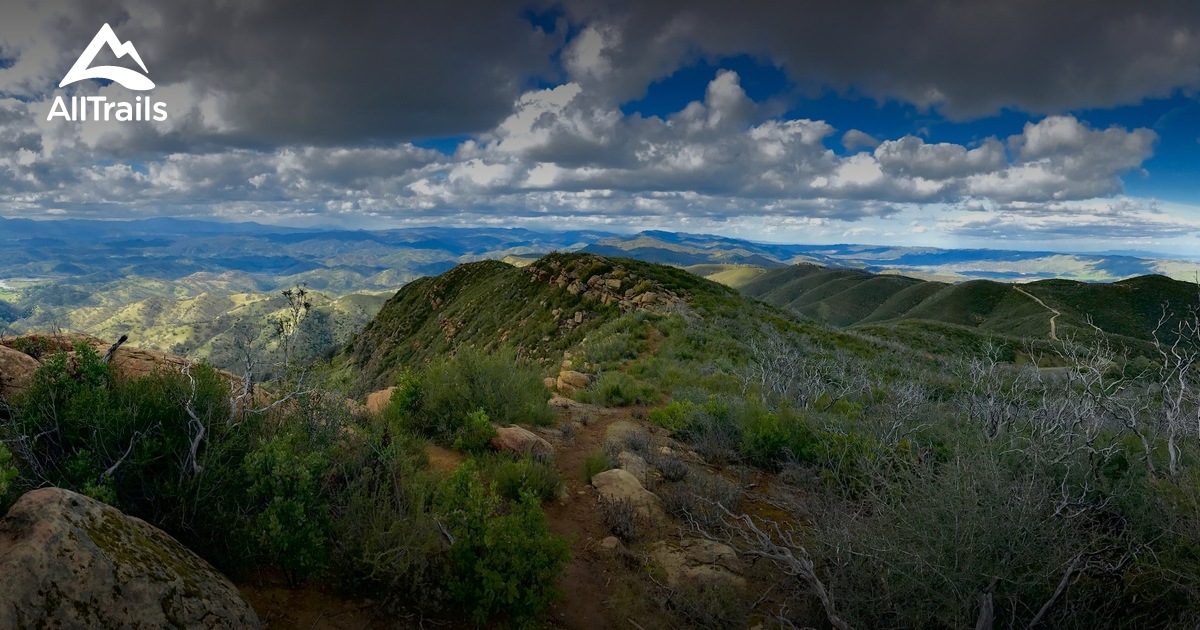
x=126, y=77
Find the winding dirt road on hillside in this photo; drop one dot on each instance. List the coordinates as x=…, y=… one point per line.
x=1053, y=331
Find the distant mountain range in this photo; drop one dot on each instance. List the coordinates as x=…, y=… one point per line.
x=949, y=265
x=183, y=285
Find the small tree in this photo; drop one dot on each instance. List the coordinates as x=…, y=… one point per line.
x=288, y=324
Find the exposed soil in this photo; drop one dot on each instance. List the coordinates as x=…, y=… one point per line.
x=281, y=607
x=587, y=582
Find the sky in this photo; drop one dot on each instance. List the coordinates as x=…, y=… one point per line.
x=1071, y=125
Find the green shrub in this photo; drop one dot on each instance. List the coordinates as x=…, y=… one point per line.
x=504, y=561
x=672, y=416
x=36, y=346
x=293, y=527
x=386, y=537
x=618, y=389
x=8, y=472
x=769, y=439
x=595, y=463
x=475, y=434
x=513, y=477
x=128, y=443
x=405, y=401
x=507, y=390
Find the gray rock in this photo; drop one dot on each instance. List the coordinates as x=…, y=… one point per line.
x=70, y=561
x=699, y=561
x=635, y=465
x=619, y=485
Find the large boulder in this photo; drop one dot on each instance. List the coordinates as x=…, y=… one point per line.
x=699, y=562
x=521, y=441
x=70, y=561
x=618, y=485
x=378, y=401
x=16, y=371
x=570, y=380
x=635, y=465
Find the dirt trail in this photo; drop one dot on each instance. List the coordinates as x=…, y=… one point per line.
x=587, y=582
x=1053, y=331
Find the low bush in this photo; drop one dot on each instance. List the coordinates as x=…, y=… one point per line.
x=475, y=433
x=439, y=402
x=618, y=389
x=622, y=519
x=709, y=606
x=504, y=562
x=513, y=476
x=386, y=537
x=294, y=525
x=595, y=463
x=672, y=468
x=701, y=498
x=8, y=472
x=129, y=443
x=672, y=416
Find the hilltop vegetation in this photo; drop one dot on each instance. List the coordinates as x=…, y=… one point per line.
x=1128, y=310
x=537, y=311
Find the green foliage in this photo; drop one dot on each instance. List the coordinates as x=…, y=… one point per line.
x=595, y=463
x=8, y=472
x=618, y=389
x=672, y=416
x=406, y=399
x=773, y=437
x=513, y=477
x=504, y=561
x=128, y=443
x=442, y=403
x=294, y=525
x=385, y=535
x=36, y=346
x=475, y=433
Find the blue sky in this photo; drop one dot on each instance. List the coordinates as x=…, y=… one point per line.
x=1072, y=125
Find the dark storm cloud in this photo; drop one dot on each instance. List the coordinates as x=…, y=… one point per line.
x=970, y=57
x=315, y=71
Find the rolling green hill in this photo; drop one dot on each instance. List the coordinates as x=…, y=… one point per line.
x=849, y=297
x=537, y=310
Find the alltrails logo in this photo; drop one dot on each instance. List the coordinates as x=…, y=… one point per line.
x=83, y=108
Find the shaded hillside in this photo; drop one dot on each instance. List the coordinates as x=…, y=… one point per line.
x=538, y=310
x=847, y=297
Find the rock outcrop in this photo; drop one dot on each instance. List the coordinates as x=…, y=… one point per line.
x=128, y=362
x=597, y=279
x=635, y=465
x=16, y=371
x=619, y=485
x=521, y=441
x=378, y=401
x=699, y=562
x=70, y=561
x=570, y=380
